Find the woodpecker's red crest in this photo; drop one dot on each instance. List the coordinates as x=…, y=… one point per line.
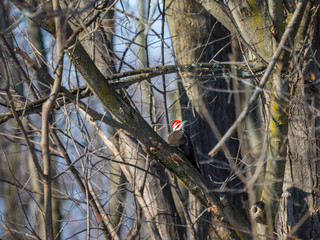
x=177, y=125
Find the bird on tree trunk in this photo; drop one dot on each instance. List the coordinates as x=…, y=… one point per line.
x=180, y=139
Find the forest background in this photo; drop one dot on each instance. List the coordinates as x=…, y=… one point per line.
x=89, y=90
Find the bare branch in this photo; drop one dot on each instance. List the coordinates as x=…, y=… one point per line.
x=45, y=121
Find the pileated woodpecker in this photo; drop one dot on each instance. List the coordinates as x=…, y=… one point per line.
x=180, y=139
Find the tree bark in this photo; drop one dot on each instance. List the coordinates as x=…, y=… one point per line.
x=299, y=205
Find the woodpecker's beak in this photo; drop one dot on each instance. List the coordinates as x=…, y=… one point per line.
x=182, y=124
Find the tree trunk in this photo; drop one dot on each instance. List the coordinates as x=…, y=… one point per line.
x=299, y=205
x=197, y=37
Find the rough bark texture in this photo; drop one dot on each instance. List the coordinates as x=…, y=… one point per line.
x=299, y=205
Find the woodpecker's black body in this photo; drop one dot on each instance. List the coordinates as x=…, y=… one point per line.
x=182, y=141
